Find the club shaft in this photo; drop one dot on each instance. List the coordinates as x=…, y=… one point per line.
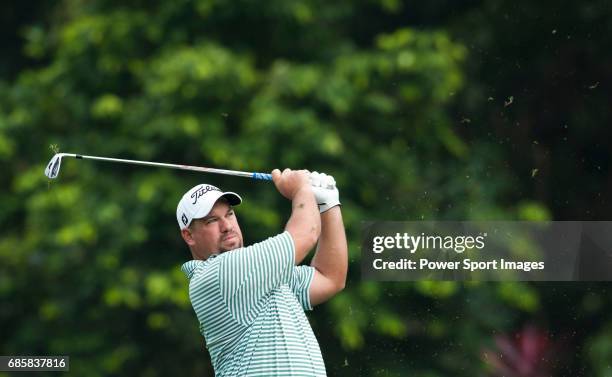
x=175, y=166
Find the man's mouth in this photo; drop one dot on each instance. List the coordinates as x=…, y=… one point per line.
x=227, y=238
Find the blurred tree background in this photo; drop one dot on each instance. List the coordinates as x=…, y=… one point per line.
x=443, y=110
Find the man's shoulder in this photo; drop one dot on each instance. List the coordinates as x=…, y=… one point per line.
x=189, y=268
x=280, y=244
x=279, y=241
x=196, y=267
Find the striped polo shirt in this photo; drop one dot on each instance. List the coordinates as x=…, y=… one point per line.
x=250, y=303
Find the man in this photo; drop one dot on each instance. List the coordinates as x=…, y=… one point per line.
x=250, y=301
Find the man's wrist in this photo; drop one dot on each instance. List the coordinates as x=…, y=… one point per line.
x=323, y=208
x=303, y=190
x=331, y=213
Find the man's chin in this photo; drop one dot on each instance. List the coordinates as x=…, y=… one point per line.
x=231, y=245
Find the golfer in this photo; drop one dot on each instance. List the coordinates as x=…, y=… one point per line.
x=250, y=300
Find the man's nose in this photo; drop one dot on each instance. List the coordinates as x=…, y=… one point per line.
x=225, y=225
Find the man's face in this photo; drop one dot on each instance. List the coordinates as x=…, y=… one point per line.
x=216, y=233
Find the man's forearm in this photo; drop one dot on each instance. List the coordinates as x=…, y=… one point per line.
x=331, y=257
x=304, y=224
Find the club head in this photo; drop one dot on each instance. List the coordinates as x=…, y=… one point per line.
x=53, y=167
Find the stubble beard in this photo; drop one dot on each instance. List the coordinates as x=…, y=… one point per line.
x=238, y=244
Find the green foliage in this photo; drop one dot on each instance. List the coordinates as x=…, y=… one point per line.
x=599, y=350
x=388, y=98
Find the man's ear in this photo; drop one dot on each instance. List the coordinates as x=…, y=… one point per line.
x=186, y=233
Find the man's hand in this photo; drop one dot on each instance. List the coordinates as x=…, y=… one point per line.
x=325, y=190
x=289, y=182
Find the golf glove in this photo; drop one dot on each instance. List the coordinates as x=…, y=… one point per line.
x=325, y=190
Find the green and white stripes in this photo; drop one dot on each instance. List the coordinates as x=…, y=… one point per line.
x=250, y=303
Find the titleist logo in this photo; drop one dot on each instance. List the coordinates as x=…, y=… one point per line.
x=201, y=191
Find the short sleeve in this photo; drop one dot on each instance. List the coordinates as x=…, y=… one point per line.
x=301, y=279
x=249, y=274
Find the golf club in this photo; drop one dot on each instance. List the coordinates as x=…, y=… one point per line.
x=53, y=167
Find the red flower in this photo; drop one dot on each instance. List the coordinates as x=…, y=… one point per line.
x=523, y=355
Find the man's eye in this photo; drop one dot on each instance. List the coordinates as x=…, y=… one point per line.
x=230, y=214
x=210, y=221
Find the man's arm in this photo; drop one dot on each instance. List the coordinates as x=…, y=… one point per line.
x=331, y=258
x=304, y=225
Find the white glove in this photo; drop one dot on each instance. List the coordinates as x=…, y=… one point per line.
x=325, y=191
